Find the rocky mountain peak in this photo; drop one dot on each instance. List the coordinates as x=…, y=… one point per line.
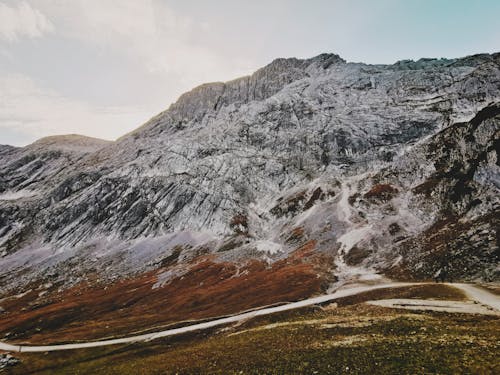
x=352, y=161
x=262, y=84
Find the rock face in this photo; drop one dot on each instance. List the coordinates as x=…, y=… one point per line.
x=388, y=168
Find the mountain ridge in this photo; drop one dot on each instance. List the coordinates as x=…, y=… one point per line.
x=405, y=64
x=291, y=157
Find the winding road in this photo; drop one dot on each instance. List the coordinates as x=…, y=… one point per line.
x=474, y=293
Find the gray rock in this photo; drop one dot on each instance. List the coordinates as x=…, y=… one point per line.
x=242, y=148
x=6, y=360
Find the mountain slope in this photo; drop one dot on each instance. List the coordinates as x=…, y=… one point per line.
x=354, y=170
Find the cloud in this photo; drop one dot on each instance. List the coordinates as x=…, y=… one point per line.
x=145, y=47
x=150, y=41
x=22, y=20
x=32, y=112
x=151, y=33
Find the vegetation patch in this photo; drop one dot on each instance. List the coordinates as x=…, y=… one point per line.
x=296, y=235
x=207, y=289
x=381, y=192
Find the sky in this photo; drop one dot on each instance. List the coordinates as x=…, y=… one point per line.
x=102, y=68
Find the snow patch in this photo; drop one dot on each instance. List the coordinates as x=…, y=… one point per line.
x=351, y=238
x=268, y=247
x=15, y=195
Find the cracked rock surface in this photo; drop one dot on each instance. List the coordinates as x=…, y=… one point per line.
x=404, y=157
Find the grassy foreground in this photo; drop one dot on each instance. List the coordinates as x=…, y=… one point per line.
x=348, y=338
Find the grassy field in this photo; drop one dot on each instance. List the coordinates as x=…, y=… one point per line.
x=349, y=337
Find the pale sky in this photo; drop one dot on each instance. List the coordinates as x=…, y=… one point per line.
x=103, y=67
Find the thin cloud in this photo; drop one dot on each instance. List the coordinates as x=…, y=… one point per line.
x=115, y=63
x=35, y=112
x=22, y=20
x=152, y=42
x=150, y=33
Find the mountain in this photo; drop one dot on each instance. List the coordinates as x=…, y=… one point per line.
x=303, y=176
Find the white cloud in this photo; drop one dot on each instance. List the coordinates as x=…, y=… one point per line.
x=159, y=48
x=38, y=112
x=22, y=20
x=151, y=33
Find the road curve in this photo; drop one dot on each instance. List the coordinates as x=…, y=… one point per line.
x=474, y=293
x=479, y=294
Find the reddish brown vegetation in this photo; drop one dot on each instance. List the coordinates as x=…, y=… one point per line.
x=428, y=291
x=305, y=251
x=296, y=235
x=382, y=192
x=208, y=289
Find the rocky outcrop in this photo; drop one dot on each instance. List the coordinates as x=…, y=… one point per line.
x=6, y=360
